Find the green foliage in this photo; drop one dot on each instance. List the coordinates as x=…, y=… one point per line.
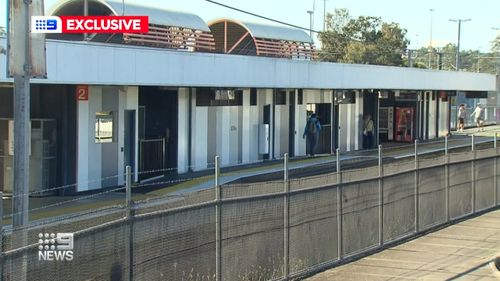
x=365, y=40
x=495, y=46
x=470, y=60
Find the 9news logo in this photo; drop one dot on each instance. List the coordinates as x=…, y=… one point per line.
x=45, y=24
x=55, y=247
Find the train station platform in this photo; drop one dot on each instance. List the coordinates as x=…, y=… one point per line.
x=464, y=251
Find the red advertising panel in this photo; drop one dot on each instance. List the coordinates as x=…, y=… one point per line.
x=404, y=124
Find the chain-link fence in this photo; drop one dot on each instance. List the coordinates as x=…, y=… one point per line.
x=277, y=230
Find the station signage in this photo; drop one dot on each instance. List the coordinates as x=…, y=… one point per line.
x=82, y=92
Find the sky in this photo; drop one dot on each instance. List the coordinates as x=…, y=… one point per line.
x=414, y=16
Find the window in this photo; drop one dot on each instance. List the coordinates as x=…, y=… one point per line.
x=345, y=97
x=300, y=97
x=253, y=96
x=218, y=97
x=103, y=127
x=281, y=97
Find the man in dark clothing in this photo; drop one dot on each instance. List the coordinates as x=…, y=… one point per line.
x=313, y=127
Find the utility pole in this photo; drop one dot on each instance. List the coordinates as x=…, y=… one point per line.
x=311, y=13
x=324, y=15
x=457, y=62
x=430, y=42
x=21, y=126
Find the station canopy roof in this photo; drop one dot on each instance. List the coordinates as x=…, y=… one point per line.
x=156, y=15
x=275, y=32
x=167, y=29
x=244, y=38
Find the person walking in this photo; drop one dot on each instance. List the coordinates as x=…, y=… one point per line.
x=368, y=132
x=462, y=114
x=312, y=129
x=479, y=117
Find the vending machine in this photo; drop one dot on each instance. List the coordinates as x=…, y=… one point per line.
x=405, y=124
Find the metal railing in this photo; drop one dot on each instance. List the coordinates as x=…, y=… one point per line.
x=280, y=230
x=152, y=158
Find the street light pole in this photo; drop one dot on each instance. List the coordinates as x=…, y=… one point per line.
x=458, y=43
x=430, y=42
x=311, y=13
x=324, y=15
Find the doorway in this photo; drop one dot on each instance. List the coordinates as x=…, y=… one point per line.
x=129, y=139
x=267, y=120
x=291, y=125
x=158, y=126
x=324, y=114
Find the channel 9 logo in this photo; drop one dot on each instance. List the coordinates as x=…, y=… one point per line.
x=55, y=247
x=44, y=24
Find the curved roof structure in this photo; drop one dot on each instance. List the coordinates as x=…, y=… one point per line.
x=235, y=37
x=117, y=8
x=277, y=32
x=167, y=29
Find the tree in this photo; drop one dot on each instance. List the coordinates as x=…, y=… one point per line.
x=365, y=40
x=495, y=46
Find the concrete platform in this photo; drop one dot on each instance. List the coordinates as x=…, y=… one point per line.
x=464, y=251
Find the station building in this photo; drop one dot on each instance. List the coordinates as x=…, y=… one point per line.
x=171, y=100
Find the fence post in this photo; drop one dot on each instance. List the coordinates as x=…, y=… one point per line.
x=339, y=208
x=417, y=201
x=381, y=196
x=473, y=174
x=218, y=223
x=447, y=179
x=130, y=220
x=495, y=167
x=1, y=236
x=286, y=215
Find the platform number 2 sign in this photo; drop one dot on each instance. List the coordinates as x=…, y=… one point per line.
x=82, y=92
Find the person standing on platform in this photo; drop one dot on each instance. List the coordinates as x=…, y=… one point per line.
x=368, y=132
x=479, y=117
x=462, y=114
x=312, y=130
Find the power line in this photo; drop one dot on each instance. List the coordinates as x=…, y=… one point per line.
x=262, y=17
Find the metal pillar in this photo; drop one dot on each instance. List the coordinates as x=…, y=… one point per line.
x=381, y=196
x=218, y=223
x=447, y=179
x=286, y=215
x=473, y=174
x=339, y=208
x=130, y=217
x=495, y=169
x=416, y=192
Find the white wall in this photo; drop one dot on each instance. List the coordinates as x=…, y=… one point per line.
x=351, y=124
x=432, y=115
x=183, y=131
x=108, y=64
x=92, y=162
x=231, y=132
x=250, y=131
x=443, y=118
x=300, y=123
